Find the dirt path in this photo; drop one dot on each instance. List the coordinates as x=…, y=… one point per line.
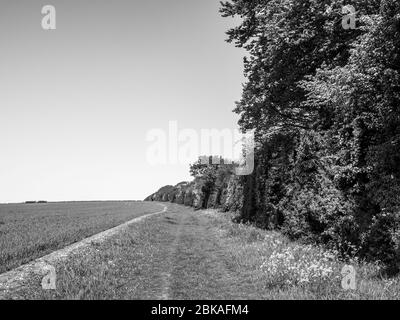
x=16, y=277
x=184, y=255
x=165, y=292
x=191, y=261
x=181, y=254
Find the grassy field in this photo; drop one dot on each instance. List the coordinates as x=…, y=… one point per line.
x=186, y=254
x=28, y=231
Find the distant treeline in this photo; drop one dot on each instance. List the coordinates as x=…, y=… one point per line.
x=324, y=102
x=213, y=186
x=34, y=202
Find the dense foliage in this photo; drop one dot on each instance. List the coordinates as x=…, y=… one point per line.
x=325, y=104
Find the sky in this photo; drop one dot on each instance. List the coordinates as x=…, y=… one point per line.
x=77, y=103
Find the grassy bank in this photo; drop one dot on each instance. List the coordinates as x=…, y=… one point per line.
x=290, y=270
x=186, y=254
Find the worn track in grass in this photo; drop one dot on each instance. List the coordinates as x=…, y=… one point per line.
x=188, y=254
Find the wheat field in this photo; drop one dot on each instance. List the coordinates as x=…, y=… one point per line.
x=28, y=231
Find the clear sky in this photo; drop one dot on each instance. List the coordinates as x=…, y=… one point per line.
x=77, y=102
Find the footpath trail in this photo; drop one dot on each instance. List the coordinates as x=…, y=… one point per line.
x=192, y=260
x=178, y=254
x=182, y=254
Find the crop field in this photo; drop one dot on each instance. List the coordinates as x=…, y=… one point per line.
x=29, y=231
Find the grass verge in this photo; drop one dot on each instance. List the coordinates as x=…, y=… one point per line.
x=203, y=255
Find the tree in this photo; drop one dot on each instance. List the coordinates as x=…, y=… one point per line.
x=324, y=103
